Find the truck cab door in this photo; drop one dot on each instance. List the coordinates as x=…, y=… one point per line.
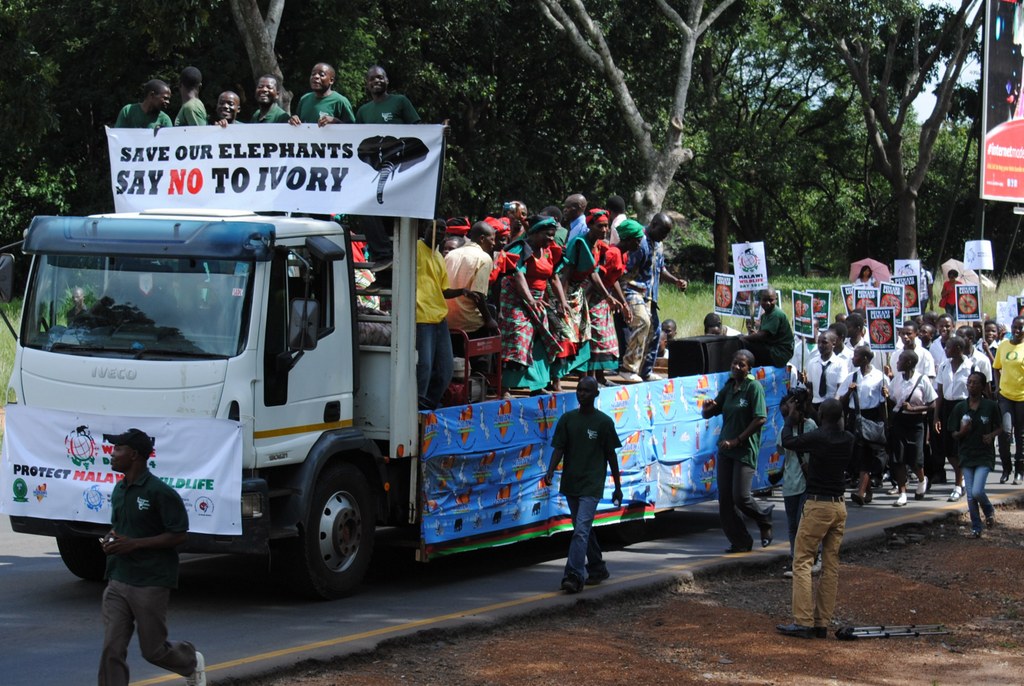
x=301, y=394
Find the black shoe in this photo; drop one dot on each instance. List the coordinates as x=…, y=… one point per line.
x=739, y=549
x=796, y=630
x=594, y=578
x=990, y=521
x=821, y=632
x=1004, y=478
x=766, y=536
x=857, y=499
x=572, y=584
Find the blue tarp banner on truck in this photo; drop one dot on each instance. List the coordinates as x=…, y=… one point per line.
x=482, y=464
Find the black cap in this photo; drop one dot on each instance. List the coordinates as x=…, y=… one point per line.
x=136, y=439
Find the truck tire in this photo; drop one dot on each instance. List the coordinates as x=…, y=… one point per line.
x=332, y=553
x=83, y=556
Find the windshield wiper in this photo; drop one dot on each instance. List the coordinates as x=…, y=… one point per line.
x=164, y=352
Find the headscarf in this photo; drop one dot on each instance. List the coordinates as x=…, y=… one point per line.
x=457, y=226
x=594, y=214
x=631, y=228
x=501, y=228
x=545, y=223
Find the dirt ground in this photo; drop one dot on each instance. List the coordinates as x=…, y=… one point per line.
x=719, y=628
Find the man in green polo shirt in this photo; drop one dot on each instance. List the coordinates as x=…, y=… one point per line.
x=384, y=107
x=151, y=112
x=322, y=105
x=771, y=340
x=149, y=521
x=586, y=437
x=268, y=90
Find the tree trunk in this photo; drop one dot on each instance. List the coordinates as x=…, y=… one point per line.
x=906, y=237
x=259, y=34
x=720, y=231
x=648, y=200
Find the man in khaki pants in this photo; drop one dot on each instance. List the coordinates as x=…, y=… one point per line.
x=823, y=521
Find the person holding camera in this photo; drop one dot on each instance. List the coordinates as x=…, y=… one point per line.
x=794, y=465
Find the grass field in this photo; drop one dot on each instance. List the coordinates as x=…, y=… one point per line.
x=688, y=309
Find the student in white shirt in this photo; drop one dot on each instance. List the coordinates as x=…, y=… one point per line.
x=872, y=388
x=951, y=386
x=912, y=396
x=825, y=371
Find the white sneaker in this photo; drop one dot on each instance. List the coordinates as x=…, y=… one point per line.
x=198, y=677
x=955, y=495
x=1018, y=479
x=922, y=489
x=654, y=376
x=901, y=501
x=816, y=567
x=630, y=377
x=788, y=574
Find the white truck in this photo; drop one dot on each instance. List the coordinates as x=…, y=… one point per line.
x=248, y=318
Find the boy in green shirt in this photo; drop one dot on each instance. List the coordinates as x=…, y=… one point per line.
x=322, y=105
x=150, y=113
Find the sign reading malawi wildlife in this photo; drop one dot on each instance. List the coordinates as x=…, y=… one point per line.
x=483, y=463
x=750, y=266
x=362, y=169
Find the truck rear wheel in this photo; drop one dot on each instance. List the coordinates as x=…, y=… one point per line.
x=331, y=556
x=83, y=556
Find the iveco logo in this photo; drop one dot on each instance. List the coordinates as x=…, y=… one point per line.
x=121, y=373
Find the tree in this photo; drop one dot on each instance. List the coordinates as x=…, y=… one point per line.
x=892, y=50
x=259, y=34
x=591, y=43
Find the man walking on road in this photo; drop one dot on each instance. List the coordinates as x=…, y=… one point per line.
x=823, y=521
x=587, y=439
x=149, y=522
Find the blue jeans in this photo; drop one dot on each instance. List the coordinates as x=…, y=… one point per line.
x=435, y=363
x=794, y=508
x=583, y=548
x=974, y=484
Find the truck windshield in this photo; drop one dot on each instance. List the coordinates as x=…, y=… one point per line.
x=140, y=306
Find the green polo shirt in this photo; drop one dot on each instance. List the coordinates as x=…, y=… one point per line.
x=395, y=109
x=134, y=117
x=275, y=115
x=148, y=507
x=334, y=104
x=972, y=450
x=780, y=336
x=739, y=407
x=585, y=439
x=192, y=113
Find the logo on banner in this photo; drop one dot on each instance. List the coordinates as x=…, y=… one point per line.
x=388, y=156
x=546, y=419
x=430, y=430
x=204, y=506
x=40, y=492
x=749, y=261
x=20, y=489
x=93, y=498
x=620, y=403
x=504, y=421
x=81, y=447
x=465, y=428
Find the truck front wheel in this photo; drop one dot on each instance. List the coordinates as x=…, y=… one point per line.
x=83, y=556
x=331, y=556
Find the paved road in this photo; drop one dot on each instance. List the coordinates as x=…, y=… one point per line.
x=51, y=633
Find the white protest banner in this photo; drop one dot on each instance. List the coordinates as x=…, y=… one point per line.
x=911, y=294
x=750, y=266
x=1005, y=311
x=725, y=293
x=968, y=302
x=892, y=295
x=56, y=465
x=978, y=255
x=360, y=169
x=906, y=268
x=881, y=323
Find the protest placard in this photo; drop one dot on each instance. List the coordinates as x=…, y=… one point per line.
x=865, y=297
x=725, y=293
x=750, y=266
x=745, y=304
x=968, y=302
x=848, y=301
x=911, y=294
x=803, y=321
x=978, y=255
x=881, y=323
x=821, y=308
x=891, y=295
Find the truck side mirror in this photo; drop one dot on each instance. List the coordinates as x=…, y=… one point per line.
x=303, y=322
x=6, y=277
